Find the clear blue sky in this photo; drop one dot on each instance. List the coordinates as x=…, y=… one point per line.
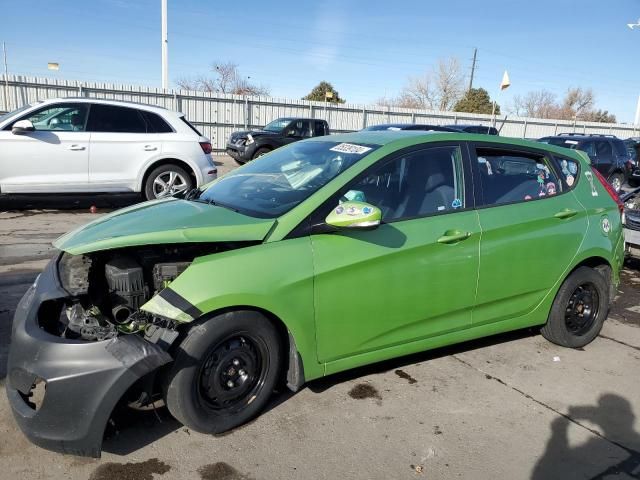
x=365, y=48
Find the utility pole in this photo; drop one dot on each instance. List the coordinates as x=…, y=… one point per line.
x=473, y=68
x=6, y=78
x=165, y=47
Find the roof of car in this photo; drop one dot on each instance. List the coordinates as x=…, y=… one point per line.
x=143, y=106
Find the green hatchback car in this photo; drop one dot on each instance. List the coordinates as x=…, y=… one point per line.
x=324, y=255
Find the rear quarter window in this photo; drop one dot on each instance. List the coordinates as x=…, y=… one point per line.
x=568, y=170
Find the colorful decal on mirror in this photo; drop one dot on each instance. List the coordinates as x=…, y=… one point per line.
x=353, y=211
x=366, y=210
x=457, y=203
x=606, y=225
x=589, y=175
x=339, y=210
x=350, y=148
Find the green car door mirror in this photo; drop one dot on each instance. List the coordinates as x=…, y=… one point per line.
x=353, y=214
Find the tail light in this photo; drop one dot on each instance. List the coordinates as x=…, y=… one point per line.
x=206, y=147
x=610, y=190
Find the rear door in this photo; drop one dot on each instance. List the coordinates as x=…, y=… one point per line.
x=120, y=146
x=414, y=276
x=53, y=158
x=532, y=228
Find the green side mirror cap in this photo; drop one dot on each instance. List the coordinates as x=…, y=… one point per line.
x=354, y=215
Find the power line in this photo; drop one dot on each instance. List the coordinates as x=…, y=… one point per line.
x=473, y=68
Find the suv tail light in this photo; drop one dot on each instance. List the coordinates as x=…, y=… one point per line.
x=206, y=147
x=610, y=190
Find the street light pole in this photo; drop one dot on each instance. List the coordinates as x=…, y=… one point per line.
x=165, y=47
x=6, y=78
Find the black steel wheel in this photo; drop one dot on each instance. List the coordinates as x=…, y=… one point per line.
x=580, y=308
x=224, y=371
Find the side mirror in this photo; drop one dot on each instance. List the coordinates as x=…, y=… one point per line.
x=358, y=215
x=21, y=127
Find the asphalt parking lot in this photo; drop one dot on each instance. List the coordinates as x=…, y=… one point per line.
x=512, y=406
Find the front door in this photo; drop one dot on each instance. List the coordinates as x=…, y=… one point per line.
x=415, y=275
x=532, y=228
x=53, y=158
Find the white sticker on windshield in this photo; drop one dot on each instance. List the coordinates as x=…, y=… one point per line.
x=571, y=142
x=350, y=148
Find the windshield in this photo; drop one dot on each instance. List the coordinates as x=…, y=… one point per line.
x=282, y=179
x=15, y=112
x=277, y=125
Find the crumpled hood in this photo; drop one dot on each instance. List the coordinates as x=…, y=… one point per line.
x=164, y=221
x=254, y=133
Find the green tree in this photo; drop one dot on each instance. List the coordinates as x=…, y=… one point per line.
x=476, y=100
x=319, y=92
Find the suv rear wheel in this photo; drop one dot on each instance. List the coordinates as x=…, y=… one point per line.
x=167, y=180
x=579, y=309
x=616, y=180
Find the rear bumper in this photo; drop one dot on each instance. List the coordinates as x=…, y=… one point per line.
x=83, y=381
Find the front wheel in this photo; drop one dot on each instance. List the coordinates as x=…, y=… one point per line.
x=260, y=152
x=167, y=180
x=579, y=309
x=224, y=372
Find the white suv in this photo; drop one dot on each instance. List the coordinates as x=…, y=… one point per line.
x=89, y=145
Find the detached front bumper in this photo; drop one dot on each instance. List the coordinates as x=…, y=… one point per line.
x=83, y=381
x=241, y=153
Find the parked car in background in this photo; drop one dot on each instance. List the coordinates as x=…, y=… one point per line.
x=633, y=146
x=631, y=222
x=81, y=145
x=325, y=255
x=247, y=145
x=407, y=126
x=608, y=154
x=484, y=129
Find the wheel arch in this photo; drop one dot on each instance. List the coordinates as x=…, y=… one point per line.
x=166, y=161
x=293, y=371
x=603, y=266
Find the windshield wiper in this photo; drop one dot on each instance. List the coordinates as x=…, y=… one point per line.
x=218, y=204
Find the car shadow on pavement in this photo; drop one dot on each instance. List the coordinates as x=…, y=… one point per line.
x=613, y=450
x=68, y=202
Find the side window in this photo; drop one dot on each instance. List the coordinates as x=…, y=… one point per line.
x=109, y=118
x=568, y=170
x=60, y=117
x=419, y=183
x=155, y=123
x=319, y=128
x=509, y=177
x=305, y=128
x=620, y=147
x=587, y=147
x=604, y=150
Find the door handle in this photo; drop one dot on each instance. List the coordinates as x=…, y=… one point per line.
x=453, y=236
x=566, y=213
x=76, y=147
x=150, y=148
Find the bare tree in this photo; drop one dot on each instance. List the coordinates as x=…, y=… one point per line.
x=227, y=79
x=438, y=89
x=537, y=104
x=577, y=101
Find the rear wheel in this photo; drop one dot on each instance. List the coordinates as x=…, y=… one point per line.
x=167, y=180
x=224, y=373
x=616, y=180
x=579, y=309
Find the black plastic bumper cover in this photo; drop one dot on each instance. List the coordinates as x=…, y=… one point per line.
x=84, y=380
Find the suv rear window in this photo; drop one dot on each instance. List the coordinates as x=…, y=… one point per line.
x=190, y=126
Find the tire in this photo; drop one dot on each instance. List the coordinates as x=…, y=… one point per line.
x=165, y=174
x=214, y=353
x=617, y=181
x=585, y=289
x=261, y=151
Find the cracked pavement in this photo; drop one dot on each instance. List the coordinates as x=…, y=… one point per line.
x=511, y=406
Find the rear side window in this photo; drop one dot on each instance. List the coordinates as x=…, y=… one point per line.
x=509, y=177
x=588, y=147
x=155, y=123
x=319, y=128
x=568, y=170
x=603, y=149
x=621, y=150
x=190, y=126
x=109, y=118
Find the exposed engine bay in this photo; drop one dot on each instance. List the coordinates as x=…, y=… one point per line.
x=106, y=290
